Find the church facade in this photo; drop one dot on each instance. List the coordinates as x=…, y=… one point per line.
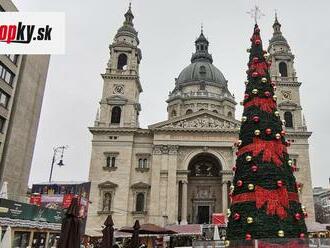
x=179, y=171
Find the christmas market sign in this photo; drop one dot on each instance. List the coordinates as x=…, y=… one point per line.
x=18, y=210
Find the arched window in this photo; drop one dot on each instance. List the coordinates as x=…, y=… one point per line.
x=173, y=113
x=189, y=111
x=122, y=61
x=283, y=69
x=140, y=163
x=230, y=114
x=145, y=163
x=115, y=115
x=106, y=202
x=139, y=206
x=288, y=119
x=202, y=70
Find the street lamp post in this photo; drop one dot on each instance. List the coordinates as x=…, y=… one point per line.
x=60, y=163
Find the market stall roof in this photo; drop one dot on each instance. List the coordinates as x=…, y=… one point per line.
x=316, y=227
x=29, y=224
x=193, y=229
x=149, y=229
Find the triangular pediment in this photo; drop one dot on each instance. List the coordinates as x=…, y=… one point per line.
x=201, y=120
x=140, y=185
x=107, y=184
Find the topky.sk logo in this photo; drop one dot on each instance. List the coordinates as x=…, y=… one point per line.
x=32, y=33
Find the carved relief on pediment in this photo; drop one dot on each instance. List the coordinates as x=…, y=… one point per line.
x=203, y=122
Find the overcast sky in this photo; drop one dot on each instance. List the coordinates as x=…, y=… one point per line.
x=167, y=30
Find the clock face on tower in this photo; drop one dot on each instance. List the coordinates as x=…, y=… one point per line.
x=118, y=89
x=286, y=95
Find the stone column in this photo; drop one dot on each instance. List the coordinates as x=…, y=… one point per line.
x=227, y=176
x=184, y=202
x=224, y=196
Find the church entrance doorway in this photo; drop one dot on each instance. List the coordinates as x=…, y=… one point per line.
x=204, y=188
x=203, y=214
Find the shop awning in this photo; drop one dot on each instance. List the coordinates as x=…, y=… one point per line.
x=193, y=229
x=29, y=224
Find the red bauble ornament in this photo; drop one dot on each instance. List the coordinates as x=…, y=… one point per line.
x=268, y=131
x=254, y=168
x=302, y=235
x=294, y=168
x=267, y=94
x=237, y=153
x=255, y=74
x=239, y=183
x=246, y=96
x=234, y=168
x=256, y=119
x=273, y=84
x=297, y=216
x=283, y=133
x=305, y=215
x=287, y=143
x=236, y=216
x=279, y=183
x=248, y=236
x=255, y=60
x=258, y=42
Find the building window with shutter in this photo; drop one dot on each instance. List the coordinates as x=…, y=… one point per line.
x=111, y=161
x=143, y=162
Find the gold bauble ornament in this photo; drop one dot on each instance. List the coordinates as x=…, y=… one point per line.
x=244, y=118
x=303, y=208
x=228, y=212
x=232, y=187
x=249, y=220
x=223, y=238
x=227, y=243
x=278, y=136
x=251, y=186
x=257, y=132
x=266, y=55
x=280, y=233
x=290, y=162
x=239, y=142
x=276, y=113
x=283, y=122
x=255, y=91
x=275, y=97
x=264, y=80
x=246, y=82
x=248, y=158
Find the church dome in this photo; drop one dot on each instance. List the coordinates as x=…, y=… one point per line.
x=201, y=67
x=201, y=71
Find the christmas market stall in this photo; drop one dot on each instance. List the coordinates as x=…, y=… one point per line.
x=30, y=225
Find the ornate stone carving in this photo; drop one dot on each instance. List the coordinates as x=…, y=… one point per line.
x=173, y=149
x=165, y=149
x=206, y=122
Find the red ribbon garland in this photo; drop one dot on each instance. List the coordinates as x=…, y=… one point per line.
x=265, y=104
x=260, y=67
x=273, y=150
x=276, y=200
x=291, y=244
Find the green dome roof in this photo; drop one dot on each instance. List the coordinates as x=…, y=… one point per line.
x=201, y=71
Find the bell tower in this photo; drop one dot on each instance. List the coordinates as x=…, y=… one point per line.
x=119, y=106
x=283, y=74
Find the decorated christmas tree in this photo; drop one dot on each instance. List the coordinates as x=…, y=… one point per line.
x=264, y=195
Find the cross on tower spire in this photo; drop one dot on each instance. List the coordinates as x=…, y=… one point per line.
x=255, y=13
